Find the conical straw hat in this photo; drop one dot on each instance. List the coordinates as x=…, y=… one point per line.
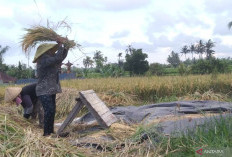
x=11, y=93
x=44, y=48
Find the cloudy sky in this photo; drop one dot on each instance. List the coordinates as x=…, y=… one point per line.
x=156, y=26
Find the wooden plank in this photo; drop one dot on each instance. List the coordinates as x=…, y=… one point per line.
x=93, y=112
x=100, y=108
x=109, y=118
x=97, y=108
x=92, y=97
x=94, y=100
x=79, y=105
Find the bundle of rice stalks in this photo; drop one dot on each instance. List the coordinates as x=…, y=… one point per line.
x=39, y=34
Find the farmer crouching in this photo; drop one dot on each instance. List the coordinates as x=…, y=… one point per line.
x=25, y=96
x=48, y=64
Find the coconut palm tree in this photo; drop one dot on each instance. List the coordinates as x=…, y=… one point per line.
x=129, y=49
x=2, y=51
x=91, y=63
x=200, y=48
x=98, y=57
x=99, y=60
x=119, y=56
x=192, y=49
x=87, y=62
x=208, y=48
x=185, y=50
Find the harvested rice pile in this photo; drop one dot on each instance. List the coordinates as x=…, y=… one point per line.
x=38, y=34
x=20, y=137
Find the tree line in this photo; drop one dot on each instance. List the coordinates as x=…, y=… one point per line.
x=199, y=59
x=135, y=63
x=206, y=63
x=21, y=71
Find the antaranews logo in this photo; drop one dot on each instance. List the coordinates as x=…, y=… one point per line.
x=199, y=151
x=209, y=151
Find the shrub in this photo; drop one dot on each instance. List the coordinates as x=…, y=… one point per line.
x=156, y=69
x=209, y=66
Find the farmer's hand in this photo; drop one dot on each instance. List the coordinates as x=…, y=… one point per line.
x=26, y=116
x=61, y=40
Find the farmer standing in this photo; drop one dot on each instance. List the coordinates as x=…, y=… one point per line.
x=25, y=96
x=48, y=64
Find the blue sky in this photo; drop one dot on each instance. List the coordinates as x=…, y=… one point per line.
x=156, y=26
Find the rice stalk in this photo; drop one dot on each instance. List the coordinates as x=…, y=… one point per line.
x=20, y=138
x=38, y=34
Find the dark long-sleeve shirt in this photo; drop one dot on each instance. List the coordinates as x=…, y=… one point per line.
x=48, y=72
x=29, y=98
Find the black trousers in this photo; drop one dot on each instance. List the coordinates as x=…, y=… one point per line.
x=49, y=106
x=38, y=112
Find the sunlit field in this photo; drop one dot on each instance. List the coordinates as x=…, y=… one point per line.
x=152, y=89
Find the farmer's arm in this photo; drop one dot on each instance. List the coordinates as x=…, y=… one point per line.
x=56, y=59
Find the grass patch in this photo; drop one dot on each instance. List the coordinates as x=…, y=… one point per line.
x=215, y=133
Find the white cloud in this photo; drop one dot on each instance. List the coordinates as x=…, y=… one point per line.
x=120, y=34
x=6, y=12
x=159, y=55
x=108, y=5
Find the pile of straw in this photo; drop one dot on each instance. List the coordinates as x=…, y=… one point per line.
x=39, y=34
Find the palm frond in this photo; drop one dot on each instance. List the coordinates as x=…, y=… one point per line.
x=3, y=50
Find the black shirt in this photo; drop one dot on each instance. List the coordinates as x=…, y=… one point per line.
x=28, y=95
